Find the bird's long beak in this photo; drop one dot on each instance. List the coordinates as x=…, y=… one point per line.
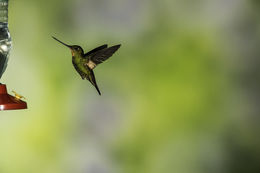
x=62, y=43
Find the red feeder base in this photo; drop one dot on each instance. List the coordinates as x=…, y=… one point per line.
x=8, y=102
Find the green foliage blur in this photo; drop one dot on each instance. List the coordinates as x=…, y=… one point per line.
x=181, y=94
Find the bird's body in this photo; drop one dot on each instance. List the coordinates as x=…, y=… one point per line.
x=85, y=63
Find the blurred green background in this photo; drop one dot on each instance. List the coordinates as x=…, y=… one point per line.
x=181, y=94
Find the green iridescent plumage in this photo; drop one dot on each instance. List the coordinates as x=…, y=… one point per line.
x=84, y=63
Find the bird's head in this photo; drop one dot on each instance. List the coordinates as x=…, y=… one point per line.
x=75, y=49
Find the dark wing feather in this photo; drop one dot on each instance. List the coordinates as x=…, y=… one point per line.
x=95, y=50
x=103, y=54
x=78, y=70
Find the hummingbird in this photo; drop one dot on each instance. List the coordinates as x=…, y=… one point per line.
x=84, y=63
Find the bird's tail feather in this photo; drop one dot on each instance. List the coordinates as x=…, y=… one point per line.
x=97, y=89
x=93, y=81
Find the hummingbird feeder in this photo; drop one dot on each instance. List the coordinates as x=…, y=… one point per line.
x=7, y=102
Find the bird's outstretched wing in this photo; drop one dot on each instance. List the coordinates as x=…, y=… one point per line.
x=95, y=50
x=101, y=55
